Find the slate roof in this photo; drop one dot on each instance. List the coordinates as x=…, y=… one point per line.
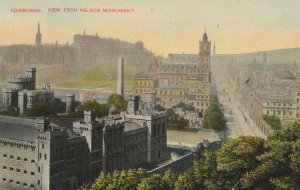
x=131, y=125
x=17, y=128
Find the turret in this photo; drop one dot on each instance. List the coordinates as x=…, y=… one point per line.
x=133, y=104
x=31, y=73
x=70, y=103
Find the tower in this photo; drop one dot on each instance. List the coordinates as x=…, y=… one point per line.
x=133, y=105
x=150, y=99
x=204, y=59
x=120, y=84
x=214, y=51
x=38, y=36
x=70, y=103
x=31, y=72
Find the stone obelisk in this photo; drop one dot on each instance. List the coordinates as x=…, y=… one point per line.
x=120, y=84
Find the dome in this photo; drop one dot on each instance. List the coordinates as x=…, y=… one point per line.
x=287, y=75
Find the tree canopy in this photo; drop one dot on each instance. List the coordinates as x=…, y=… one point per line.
x=39, y=110
x=273, y=121
x=242, y=163
x=119, y=103
x=214, y=118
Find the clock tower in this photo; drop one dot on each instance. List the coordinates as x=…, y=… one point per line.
x=204, y=59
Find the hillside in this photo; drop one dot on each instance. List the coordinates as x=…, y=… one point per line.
x=281, y=59
x=89, y=62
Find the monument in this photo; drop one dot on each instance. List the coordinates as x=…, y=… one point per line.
x=120, y=84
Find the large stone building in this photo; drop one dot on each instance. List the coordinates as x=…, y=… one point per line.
x=21, y=93
x=37, y=154
x=179, y=78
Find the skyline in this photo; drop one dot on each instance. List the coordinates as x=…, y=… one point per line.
x=164, y=27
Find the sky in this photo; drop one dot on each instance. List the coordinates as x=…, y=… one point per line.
x=165, y=26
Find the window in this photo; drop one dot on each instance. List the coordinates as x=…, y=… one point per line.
x=25, y=184
x=3, y=179
x=18, y=183
x=45, y=156
x=39, y=169
x=18, y=170
x=11, y=169
x=25, y=159
x=31, y=173
x=18, y=158
x=11, y=157
x=11, y=180
x=39, y=182
x=43, y=146
x=4, y=167
x=25, y=171
x=32, y=186
x=4, y=155
x=32, y=161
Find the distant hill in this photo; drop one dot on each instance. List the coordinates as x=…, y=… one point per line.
x=273, y=56
x=68, y=65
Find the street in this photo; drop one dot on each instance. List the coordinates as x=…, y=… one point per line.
x=237, y=124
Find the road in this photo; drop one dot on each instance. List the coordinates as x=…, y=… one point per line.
x=237, y=124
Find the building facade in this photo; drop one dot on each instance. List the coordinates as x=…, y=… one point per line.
x=179, y=78
x=21, y=93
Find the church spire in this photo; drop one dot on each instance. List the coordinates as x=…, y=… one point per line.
x=38, y=27
x=38, y=36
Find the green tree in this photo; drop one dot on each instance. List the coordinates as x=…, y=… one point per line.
x=100, y=109
x=279, y=166
x=186, y=181
x=118, y=101
x=214, y=118
x=236, y=158
x=152, y=182
x=39, y=110
x=273, y=121
x=159, y=108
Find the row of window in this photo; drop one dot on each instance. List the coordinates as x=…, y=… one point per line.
x=17, y=170
x=142, y=83
x=18, y=158
x=279, y=104
x=37, y=100
x=281, y=113
x=171, y=92
x=198, y=104
x=17, y=182
x=202, y=96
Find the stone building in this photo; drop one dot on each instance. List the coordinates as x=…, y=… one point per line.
x=135, y=143
x=179, y=78
x=21, y=93
x=155, y=123
x=35, y=154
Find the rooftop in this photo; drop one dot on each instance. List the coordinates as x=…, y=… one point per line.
x=17, y=128
x=131, y=125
